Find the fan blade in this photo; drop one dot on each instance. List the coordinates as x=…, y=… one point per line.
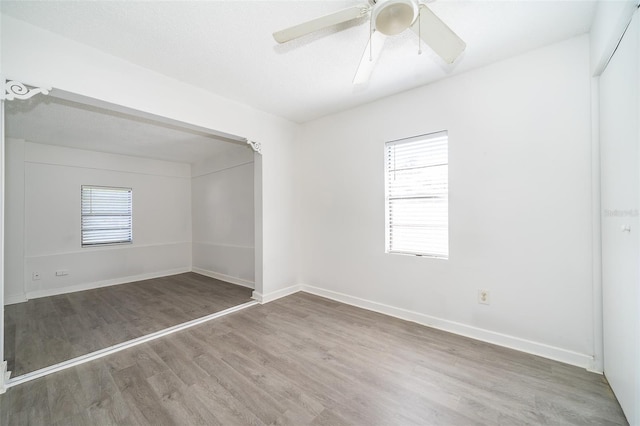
x=369, y=58
x=309, y=27
x=438, y=35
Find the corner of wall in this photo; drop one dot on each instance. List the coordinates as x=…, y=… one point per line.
x=223, y=277
x=274, y=295
x=609, y=25
x=596, y=232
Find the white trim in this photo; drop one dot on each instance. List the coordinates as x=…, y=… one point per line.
x=105, y=283
x=270, y=297
x=256, y=146
x=2, y=283
x=4, y=377
x=109, y=169
x=89, y=249
x=235, y=246
x=14, y=89
x=12, y=299
x=223, y=277
x=512, y=342
x=121, y=346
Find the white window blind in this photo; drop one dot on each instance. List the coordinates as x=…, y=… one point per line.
x=106, y=215
x=416, y=195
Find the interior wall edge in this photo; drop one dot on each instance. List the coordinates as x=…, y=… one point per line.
x=274, y=295
x=2, y=236
x=512, y=342
x=596, y=230
x=611, y=22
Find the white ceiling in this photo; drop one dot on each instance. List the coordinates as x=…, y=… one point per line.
x=54, y=121
x=226, y=46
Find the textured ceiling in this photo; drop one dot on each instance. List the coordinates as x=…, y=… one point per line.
x=226, y=46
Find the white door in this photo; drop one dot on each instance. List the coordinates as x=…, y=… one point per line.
x=620, y=180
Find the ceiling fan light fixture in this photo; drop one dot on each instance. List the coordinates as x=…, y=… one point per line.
x=391, y=17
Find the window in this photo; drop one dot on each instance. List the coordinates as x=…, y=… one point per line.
x=416, y=195
x=106, y=215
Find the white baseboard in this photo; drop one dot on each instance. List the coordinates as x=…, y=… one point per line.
x=223, y=277
x=12, y=299
x=4, y=377
x=105, y=283
x=270, y=297
x=512, y=342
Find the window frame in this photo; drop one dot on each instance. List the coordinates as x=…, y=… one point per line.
x=82, y=216
x=388, y=197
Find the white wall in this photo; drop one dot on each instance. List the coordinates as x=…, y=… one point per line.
x=45, y=228
x=39, y=57
x=519, y=144
x=620, y=160
x=223, y=216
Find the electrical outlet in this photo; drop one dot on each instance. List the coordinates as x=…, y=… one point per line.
x=483, y=297
x=35, y=276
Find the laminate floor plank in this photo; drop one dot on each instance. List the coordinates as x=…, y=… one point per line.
x=304, y=360
x=254, y=399
x=144, y=406
x=49, y=330
x=178, y=361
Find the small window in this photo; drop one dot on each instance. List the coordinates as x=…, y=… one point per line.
x=416, y=195
x=106, y=215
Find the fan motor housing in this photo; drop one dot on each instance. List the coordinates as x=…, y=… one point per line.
x=391, y=17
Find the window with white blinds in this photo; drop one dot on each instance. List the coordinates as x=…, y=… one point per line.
x=416, y=195
x=106, y=215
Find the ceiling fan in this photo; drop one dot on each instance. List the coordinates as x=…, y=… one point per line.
x=387, y=18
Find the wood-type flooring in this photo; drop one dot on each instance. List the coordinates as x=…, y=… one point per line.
x=49, y=330
x=305, y=360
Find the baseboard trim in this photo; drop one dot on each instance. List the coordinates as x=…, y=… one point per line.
x=98, y=284
x=511, y=342
x=15, y=298
x=223, y=277
x=4, y=378
x=270, y=297
x=121, y=346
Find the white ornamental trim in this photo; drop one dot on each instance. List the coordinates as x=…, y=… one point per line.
x=256, y=146
x=16, y=90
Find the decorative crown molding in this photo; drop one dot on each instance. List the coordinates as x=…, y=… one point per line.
x=15, y=90
x=256, y=146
